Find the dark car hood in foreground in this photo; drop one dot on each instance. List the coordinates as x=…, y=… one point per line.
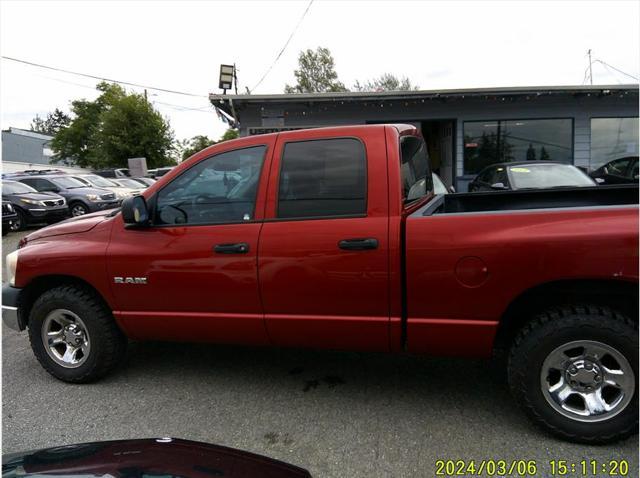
x=165, y=457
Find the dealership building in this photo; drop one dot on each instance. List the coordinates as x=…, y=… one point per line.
x=467, y=129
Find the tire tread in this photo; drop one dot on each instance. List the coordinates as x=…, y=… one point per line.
x=110, y=342
x=556, y=319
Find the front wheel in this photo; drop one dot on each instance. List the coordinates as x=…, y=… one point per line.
x=78, y=209
x=20, y=222
x=74, y=335
x=574, y=370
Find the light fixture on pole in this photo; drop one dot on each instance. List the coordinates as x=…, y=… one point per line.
x=227, y=74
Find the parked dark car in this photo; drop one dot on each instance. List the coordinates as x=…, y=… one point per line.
x=31, y=206
x=618, y=171
x=8, y=216
x=161, y=457
x=529, y=175
x=80, y=198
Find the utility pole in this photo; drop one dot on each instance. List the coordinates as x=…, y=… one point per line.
x=590, y=63
x=235, y=78
x=145, y=95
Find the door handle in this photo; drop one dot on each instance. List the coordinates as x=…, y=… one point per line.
x=358, y=244
x=234, y=248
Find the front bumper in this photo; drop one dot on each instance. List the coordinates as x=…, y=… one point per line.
x=39, y=215
x=10, y=315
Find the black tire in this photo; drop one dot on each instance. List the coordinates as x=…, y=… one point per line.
x=77, y=205
x=20, y=222
x=108, y=343
x=552, y=329
x=5, y=229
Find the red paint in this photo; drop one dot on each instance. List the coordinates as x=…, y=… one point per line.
x=295, y=287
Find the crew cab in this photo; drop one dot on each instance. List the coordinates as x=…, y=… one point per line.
x=333, y=238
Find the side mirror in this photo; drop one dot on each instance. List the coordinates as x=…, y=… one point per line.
x=135, y=212
x=599, y=180
x=498, y=186
x=50, y=190
x=452, y=189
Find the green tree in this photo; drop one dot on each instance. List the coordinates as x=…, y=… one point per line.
x=196, y=144
x=54, y=122
x=544, y=155
x=531, y=153
x=116, y=126
x=230, y=134
x=316, y=73
x=386, y=82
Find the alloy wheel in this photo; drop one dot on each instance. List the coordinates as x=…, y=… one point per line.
x=65, y=338
x=587, y=381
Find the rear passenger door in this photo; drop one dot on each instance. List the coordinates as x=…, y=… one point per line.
x=323, y=260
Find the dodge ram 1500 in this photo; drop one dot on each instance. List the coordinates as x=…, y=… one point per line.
x=334, y=238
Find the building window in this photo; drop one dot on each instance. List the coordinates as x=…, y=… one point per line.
x=489, y=142
x=323, y=178
x=611, y=139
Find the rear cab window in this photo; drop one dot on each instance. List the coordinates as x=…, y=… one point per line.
x=323, y=178
x=415, y=170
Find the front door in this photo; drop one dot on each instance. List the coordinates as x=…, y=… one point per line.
x=192, y=275
x=323, y=256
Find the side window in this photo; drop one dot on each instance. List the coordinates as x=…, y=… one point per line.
x=326, y=177
x=619, y=166
x=486, y=176
x=414, y=168
x=38, y=184
x=634, y=170
x=216, y=190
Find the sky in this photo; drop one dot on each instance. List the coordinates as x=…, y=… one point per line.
x=180, y=46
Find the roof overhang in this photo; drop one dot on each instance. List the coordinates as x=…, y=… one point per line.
x=230, y=103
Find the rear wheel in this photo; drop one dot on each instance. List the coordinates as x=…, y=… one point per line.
x=574, y=370
x=74, y=336
x=78, y=209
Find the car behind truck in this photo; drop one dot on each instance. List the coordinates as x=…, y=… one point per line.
x=333, y=238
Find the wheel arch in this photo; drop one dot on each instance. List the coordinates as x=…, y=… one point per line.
x=621, y=295
x=41, y=284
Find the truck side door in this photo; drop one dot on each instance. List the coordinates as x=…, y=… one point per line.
x=192, y=275
x=323, y=258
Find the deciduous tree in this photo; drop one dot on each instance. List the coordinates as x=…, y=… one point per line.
x=115, y=127
x=316, y=73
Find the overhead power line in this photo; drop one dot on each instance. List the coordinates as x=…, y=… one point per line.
x=616, y=69
x=295, y=29
x=86, y=75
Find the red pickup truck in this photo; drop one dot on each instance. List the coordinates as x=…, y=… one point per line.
x=333, y=238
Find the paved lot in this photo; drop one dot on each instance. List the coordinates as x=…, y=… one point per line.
x=337, y=414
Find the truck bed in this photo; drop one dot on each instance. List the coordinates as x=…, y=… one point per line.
x=494, y=201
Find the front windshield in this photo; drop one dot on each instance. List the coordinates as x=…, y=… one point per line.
x=67, y=182
x=548, y=176
x=15, y=187
x=100, y=182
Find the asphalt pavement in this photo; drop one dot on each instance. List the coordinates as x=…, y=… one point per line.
x=338, y=414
